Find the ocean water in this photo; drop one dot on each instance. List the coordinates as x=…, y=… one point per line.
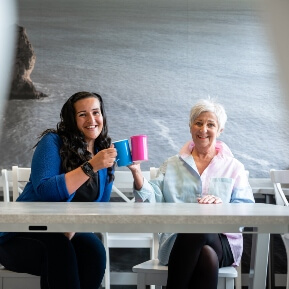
x=151, y=61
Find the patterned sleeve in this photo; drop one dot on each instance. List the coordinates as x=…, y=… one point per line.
x=151, y=191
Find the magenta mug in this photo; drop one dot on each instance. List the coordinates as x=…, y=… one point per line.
x=139, y=148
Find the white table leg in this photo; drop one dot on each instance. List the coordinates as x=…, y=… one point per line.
x=259, y=261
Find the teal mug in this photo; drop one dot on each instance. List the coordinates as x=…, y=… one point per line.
x=123, y=157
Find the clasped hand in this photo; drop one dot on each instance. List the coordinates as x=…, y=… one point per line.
x=209, y=199
x=104, y=158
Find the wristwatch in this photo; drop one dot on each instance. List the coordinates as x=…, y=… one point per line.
x=88, y=169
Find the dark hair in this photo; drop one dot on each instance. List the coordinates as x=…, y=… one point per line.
x=73, y=151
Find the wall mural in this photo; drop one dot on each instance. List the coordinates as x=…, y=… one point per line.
x=151, y=61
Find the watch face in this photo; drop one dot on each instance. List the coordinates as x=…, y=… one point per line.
x=87, y=167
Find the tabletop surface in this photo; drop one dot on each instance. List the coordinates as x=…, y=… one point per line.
x=144, y=216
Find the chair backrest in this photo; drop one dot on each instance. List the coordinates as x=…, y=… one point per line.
x=279, y=178
x=14, y=180
x=6, y=184
x=123, y=182
x=20, y=176
x=153, y=172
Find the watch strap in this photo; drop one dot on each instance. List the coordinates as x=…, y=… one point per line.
x=87, y=169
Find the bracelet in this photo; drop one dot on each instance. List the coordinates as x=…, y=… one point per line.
x=87, y=169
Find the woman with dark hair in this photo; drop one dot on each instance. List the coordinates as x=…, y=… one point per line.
x=73, y=162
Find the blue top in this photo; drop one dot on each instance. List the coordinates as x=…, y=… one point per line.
x=47, y=179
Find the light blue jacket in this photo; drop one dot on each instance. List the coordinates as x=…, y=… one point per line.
x=178, y=181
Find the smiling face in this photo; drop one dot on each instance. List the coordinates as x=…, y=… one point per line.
x=204, y=130
x=89, y=118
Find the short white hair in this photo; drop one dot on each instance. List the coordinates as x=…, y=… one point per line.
x=208, y=105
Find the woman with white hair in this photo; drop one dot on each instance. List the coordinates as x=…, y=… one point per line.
x=205, y=172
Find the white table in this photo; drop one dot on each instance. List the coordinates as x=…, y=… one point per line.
x=160, y=217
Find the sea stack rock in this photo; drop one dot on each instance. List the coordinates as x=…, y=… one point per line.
x=22, y=87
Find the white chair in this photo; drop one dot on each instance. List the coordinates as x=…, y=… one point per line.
x=279, y=178
x=16, y=179
x=152, y=272
x=6, y=178
x=20, y=176
x=124, y=184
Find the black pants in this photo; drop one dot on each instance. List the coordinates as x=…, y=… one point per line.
x=195, y=260
x=61, y=263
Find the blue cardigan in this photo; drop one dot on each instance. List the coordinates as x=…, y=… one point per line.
x=47, y=179
x=47, y=182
